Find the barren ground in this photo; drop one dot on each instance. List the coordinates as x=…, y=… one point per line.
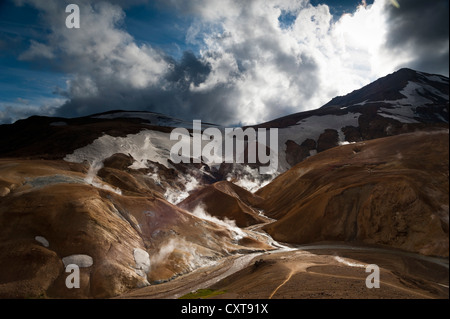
x=325, y=270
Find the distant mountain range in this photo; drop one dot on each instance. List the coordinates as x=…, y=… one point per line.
x=397, y=103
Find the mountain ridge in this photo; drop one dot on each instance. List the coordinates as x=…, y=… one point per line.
x=395, y=81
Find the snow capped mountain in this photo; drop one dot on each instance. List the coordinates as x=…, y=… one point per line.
x=377, y=110
x=393, y=87
x=406, y=95
x=397, y=103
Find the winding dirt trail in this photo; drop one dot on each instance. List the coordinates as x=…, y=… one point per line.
x=282, y=284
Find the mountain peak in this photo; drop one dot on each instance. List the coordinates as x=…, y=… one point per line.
x=392, y=88
x=406, y=71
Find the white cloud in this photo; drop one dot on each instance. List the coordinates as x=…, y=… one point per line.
x=13, y=111
x=250, y=69
x=272, y=71
x=100, y=52
x=37, y=50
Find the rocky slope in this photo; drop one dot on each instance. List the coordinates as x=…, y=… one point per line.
x=391, y=191
x=51, y=216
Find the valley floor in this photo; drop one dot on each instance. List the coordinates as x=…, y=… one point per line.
x=320, y=271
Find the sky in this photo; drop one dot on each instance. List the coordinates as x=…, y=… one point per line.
x=230, y=62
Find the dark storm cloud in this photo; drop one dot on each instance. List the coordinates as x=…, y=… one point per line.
x=109, y=70
x=190, y=70
x=217, y=86
x=171, y=96
x=421, y=27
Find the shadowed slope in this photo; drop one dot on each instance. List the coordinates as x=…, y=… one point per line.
x=391, y=191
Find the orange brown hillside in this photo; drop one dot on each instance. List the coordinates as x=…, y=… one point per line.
x=390, y=191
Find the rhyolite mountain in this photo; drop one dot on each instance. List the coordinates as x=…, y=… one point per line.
x=389, y=191
x=401, y=102
x=101, y=191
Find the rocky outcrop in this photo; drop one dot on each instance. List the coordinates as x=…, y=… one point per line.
x=296, y=153
x=327, y=140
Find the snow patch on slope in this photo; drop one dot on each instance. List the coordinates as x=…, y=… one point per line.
x=146, y=145
x=399, y=117
x=403, y=110
x=434, y=78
